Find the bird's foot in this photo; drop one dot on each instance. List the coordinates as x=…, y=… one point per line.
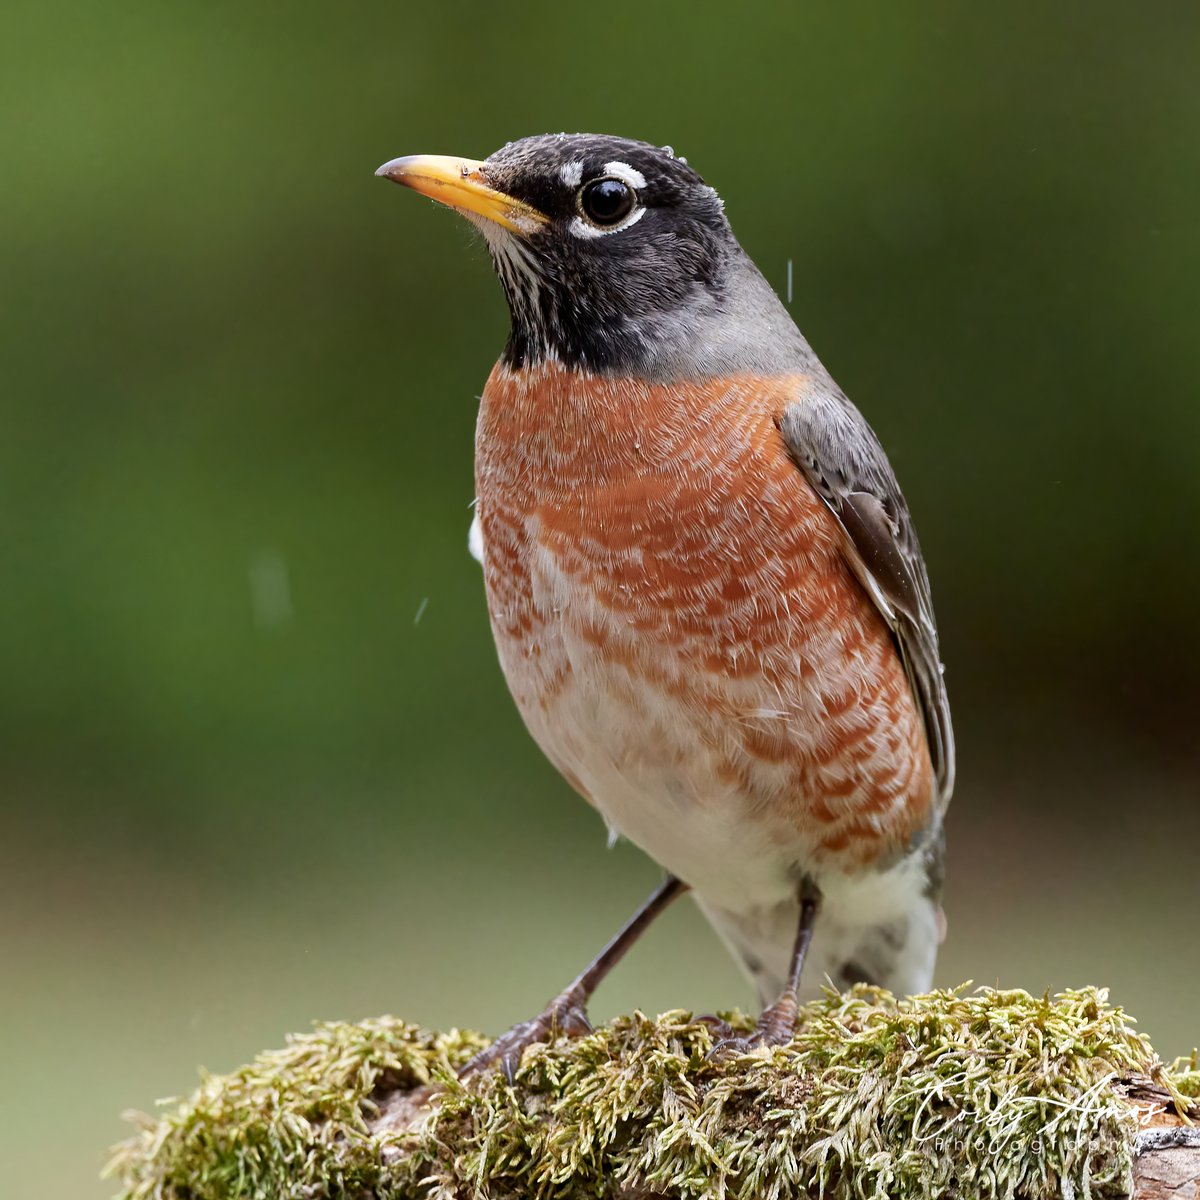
x=721, y=1029
x=565, y=1016
x=775, y=1028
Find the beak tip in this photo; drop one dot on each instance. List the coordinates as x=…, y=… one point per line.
x=396, y=169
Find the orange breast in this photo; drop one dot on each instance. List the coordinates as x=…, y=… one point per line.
x=657, y=566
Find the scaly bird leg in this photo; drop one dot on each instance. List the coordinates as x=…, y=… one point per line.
x=778, y=1021
x=567, y=1012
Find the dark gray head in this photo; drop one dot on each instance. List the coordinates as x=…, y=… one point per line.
x=615, y=257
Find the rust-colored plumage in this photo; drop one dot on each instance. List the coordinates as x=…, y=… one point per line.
x=654, y=547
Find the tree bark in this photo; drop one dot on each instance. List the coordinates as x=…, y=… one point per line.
x=1167, y=1163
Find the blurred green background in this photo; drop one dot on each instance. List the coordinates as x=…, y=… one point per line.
x=245, y=786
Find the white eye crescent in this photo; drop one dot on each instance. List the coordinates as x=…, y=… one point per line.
x=626, y=174
x=584, y=229
x=609, y=201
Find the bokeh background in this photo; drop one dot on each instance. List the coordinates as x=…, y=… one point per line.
x=258, y=763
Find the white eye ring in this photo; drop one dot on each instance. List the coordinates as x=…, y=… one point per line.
x=589, y=224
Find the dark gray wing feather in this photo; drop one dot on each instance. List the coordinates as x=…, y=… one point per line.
x=841, y=457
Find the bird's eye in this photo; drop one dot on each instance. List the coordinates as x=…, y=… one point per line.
x=606, y=202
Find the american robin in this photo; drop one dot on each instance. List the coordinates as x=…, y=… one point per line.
x=704, y=583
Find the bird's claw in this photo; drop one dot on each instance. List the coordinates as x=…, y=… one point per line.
x=565, y=1016
x=720, y=1029
x=775, y=1027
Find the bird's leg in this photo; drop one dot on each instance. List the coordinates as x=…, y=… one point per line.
x=567, y=1012
x=778, y=1021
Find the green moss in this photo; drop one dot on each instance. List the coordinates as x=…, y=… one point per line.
x=874, y=1097
x=1185, y=1072
x=293, y=1118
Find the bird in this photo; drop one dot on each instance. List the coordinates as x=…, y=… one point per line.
x=705, y=586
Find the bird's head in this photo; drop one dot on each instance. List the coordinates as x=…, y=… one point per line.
x=615, y=257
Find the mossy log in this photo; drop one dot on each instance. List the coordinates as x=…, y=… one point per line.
x=955, y=1093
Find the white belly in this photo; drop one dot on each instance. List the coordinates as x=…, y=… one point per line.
x=647, y=761
x=649, y=768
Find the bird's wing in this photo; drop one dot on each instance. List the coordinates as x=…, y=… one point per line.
x=839, y=454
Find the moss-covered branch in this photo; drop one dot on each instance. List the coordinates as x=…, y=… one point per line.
x=985, y=1094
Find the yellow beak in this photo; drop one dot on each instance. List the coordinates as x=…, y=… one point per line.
x=459, y=183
